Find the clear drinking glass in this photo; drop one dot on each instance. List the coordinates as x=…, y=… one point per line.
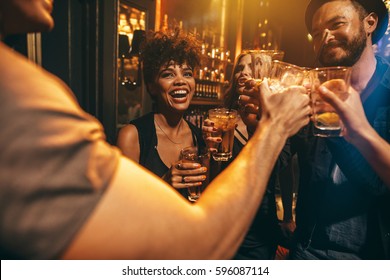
x=262, y=62
x=284, y=75
x=201, y=156
x=224, y=122
x=337, y=79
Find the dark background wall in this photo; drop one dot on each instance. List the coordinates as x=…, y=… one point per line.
x=74, y=50
x=286, y=19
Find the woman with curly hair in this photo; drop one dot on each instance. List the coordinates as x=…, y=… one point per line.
x=154, y=140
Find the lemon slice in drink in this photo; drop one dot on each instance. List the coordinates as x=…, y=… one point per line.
x=338, y=86
x=330, y=119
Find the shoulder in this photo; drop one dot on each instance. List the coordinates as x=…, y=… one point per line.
x=145, y=127
x=128, y=142
x=128, y=134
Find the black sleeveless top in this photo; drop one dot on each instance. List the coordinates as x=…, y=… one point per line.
x=147, y=138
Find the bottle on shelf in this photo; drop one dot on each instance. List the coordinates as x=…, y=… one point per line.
x=210, y=78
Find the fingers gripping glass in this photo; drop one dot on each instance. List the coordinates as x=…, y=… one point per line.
x=196, y=155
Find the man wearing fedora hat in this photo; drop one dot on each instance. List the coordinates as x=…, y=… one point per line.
x=340, y=208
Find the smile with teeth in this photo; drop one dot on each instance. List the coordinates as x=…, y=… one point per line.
x=179, y=93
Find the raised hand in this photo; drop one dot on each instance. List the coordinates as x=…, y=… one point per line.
x=289, y=108
x=350, y=110
x=249, y=104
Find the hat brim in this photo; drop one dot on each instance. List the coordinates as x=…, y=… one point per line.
x=376, y=6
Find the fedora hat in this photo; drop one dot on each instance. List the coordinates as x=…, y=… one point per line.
x=376, y=6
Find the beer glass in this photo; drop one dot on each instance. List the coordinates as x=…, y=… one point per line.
x=262, y=62
x=337, y=79
x=284, y=75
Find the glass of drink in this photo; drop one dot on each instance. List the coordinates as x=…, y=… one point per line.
x=201, y=156
x=262, y=62
x=337, y=79
x=225, y=121
x=284, y=75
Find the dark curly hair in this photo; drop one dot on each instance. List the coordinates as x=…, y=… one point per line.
x=160, y=48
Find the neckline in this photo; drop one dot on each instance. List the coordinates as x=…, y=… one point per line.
x=169, y=138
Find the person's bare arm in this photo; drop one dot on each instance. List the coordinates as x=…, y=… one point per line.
x=139, y=217
x=128, y=142
x=360, y=133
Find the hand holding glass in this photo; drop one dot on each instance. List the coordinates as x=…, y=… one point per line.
x=337, y=79
x=196, y=155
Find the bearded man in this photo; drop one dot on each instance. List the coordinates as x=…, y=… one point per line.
x=344, y=186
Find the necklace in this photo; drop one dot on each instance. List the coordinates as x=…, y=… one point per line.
x=177, y=143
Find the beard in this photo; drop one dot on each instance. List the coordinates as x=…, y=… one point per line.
x=352, y=49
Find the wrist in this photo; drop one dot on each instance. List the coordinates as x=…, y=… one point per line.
x=266, y=135
x=364, y=136
x=276, y=128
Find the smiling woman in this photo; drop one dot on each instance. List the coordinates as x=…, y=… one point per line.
x=156, y=139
